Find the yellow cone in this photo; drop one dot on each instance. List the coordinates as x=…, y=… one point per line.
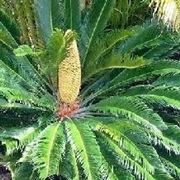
x=69, y=75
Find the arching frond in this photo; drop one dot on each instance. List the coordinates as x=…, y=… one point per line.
x=6, y=38
x=24, y=171
x=117, y=169
x=95, y=22
x=142, y=35
x=10, y=24
x=117, y=107
x=47, y=150
x=72, y=14
x=69, y=166
x=83, y=142
x=16, y=138
x=43, y=17
x=126, y=161
x=112, y=62
x=143, y=75
x=126, y=144
x=173, y=170
x=105, y=43
x=130, y=106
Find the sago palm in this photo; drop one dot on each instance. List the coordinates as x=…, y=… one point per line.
x=87, y=101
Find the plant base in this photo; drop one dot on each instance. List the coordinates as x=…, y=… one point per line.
x=68, y=110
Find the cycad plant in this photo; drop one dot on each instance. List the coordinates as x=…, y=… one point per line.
x=82, y=100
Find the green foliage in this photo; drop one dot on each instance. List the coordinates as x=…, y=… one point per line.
x=69, y=165
x=106, y=42
x=127, y=125
x=51, y=60
x=24, y=50
x=72, y=14
x=81, y=139
x=10, y=24
x=5, y=37
x=95, y=22
x=47, y=150
x=113, y=61
x=57, y=13
x=44, y=19
x=129, y=13
x=14, y=138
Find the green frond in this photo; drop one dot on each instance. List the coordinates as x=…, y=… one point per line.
x=22, y=67
x=142, y=36
x=171, y=79
x=95, y=22
x=148, y=73
x=171, y=168
x=17, y=93
x=173, y=132
x=124, y=131
x=6, y=38
x=72, y=14
x=113, y=61
x=84, y=144
x=22, y=71
x=153, y=157
x=140, y=140
x=58, y=14
x=132, y=107
x=16, y=138
x=155, y=66
x=163, y=46
x=106, y=42
x=21, y=92
x=167, y=91
x=10, y=24
x=125, y=143
x=161, y=100
x=117, y=170
x=24, y=171
x=125, y=160
x=56, y=43
x=69, y=166
x=133, y=111
x=43, y=14
x=47, y=150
